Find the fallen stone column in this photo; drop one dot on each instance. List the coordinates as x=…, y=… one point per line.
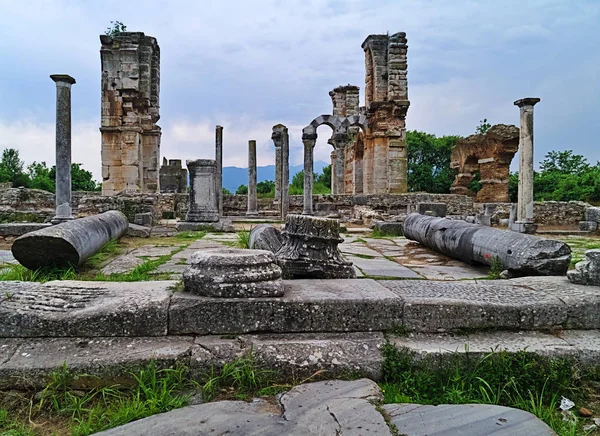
x=69, y=243
x=519, y=253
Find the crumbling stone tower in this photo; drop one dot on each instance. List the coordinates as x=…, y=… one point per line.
x=130, y=110
x=386, y=100
x=173, y=178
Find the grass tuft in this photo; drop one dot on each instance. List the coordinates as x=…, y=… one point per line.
x=496, y=269
x=243, y=238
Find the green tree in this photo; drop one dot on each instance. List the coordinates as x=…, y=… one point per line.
x=40, y=178
x=11, y=168
x=115, y=28
x=241, y=190
x=265, y=187
x=325, y=177
x=226, y=191
x=429, y=162
x=483, y=127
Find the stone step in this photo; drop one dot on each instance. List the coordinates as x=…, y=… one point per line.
x=26, y=363
x=105, y=309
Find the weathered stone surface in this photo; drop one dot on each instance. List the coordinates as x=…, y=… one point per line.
x=18, y=229
x=588, y=226
x=252, y=194
x=523, y=254
x=592, y=214
x=266, y=237
x=464, y=419
x=491, y=155
x=130, y=111
x=307, y=306
x=143, y=219
x=69, y=243
x=75, y=308
x=173, y=178
x=389, y=228
x=381, y=267
x=104, y=361
x=223, y=225
x=137, y=231
x=432, y=209
x=203, y=191
x=587, y=272
x=310, y=249
x=335, y=407
x=233, y=273
x=431, y=306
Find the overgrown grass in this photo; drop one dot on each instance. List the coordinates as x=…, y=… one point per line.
x=241, y=379
x=190, y=235
x=377, y=233
x=523, y=380
x=579, y=246
x=496, y=269
x=42, y=275
x=243, y=238
x=110, y=249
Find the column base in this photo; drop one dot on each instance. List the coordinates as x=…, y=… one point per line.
x=524, y=227
x=61, y=219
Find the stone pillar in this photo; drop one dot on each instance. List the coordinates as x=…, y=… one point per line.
x=309, y=141
x=252, y=196
x=278, y=169
x=525, y=221
x=203, y=192
x=281, y=140
x=340, y=141
x=219, y=159
x=63, y=147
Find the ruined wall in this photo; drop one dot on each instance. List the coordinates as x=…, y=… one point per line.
x=345, y=100
x=386, y=98
x=546, y=213
x=173, y=178
x=130, y=111
x=491, y=155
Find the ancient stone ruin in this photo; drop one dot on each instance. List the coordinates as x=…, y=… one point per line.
x=490, y=155
x=173, y=178
x=130, y=111
x=369, y=143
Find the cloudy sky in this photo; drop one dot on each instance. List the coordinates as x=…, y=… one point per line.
x=250, y=64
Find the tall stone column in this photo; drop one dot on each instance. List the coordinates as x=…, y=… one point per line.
x=203, y=195
x=525, y=219
x=278, y=171
x=340, y=141
x=309, y=141
x=63, y=147
x=281, y=140
x=219, y=159
x=252, y=196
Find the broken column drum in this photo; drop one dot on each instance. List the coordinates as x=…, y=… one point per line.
x=203, y=193
x=69, y=243
x=310, y=249
x=518, y=253
x=233, y=273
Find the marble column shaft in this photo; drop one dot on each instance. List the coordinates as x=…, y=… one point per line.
x=278, y=172
x=219, y=159
x=525, y=193
x=63, y=147
x=252, y=194
x=309, y=145
x=281, y=140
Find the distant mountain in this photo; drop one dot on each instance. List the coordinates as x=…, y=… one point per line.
x=234, y=176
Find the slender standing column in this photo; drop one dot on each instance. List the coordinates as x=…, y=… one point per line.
x=340, y=141
x=309, y=141
x=525, y=219
x=252, y=200
x=219, y=159
x=278, y=171
x=63, y=147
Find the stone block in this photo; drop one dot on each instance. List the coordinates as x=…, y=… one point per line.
x=79, y=309
x=144, y=219
x=592, y=214
x=266, y=237
x=18, y=229
x=435, y=209
x=233, y=273
x=588, y=226
x=389, y=228
x=587, y=272
x=137, y=231
x=349, y=305
x=483, y=220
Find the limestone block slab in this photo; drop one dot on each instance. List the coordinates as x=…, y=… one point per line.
x=233, y=273
x=345, y=305
x=464, y=419
x=75, y=308
x=441, y=306
x=381, y=267
x=137, y=231
x=105, y=361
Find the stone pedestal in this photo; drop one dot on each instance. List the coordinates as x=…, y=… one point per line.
x=310, y=249
x=203, y=193
x=233, y=273
x=525, y=219
x=63, y=147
